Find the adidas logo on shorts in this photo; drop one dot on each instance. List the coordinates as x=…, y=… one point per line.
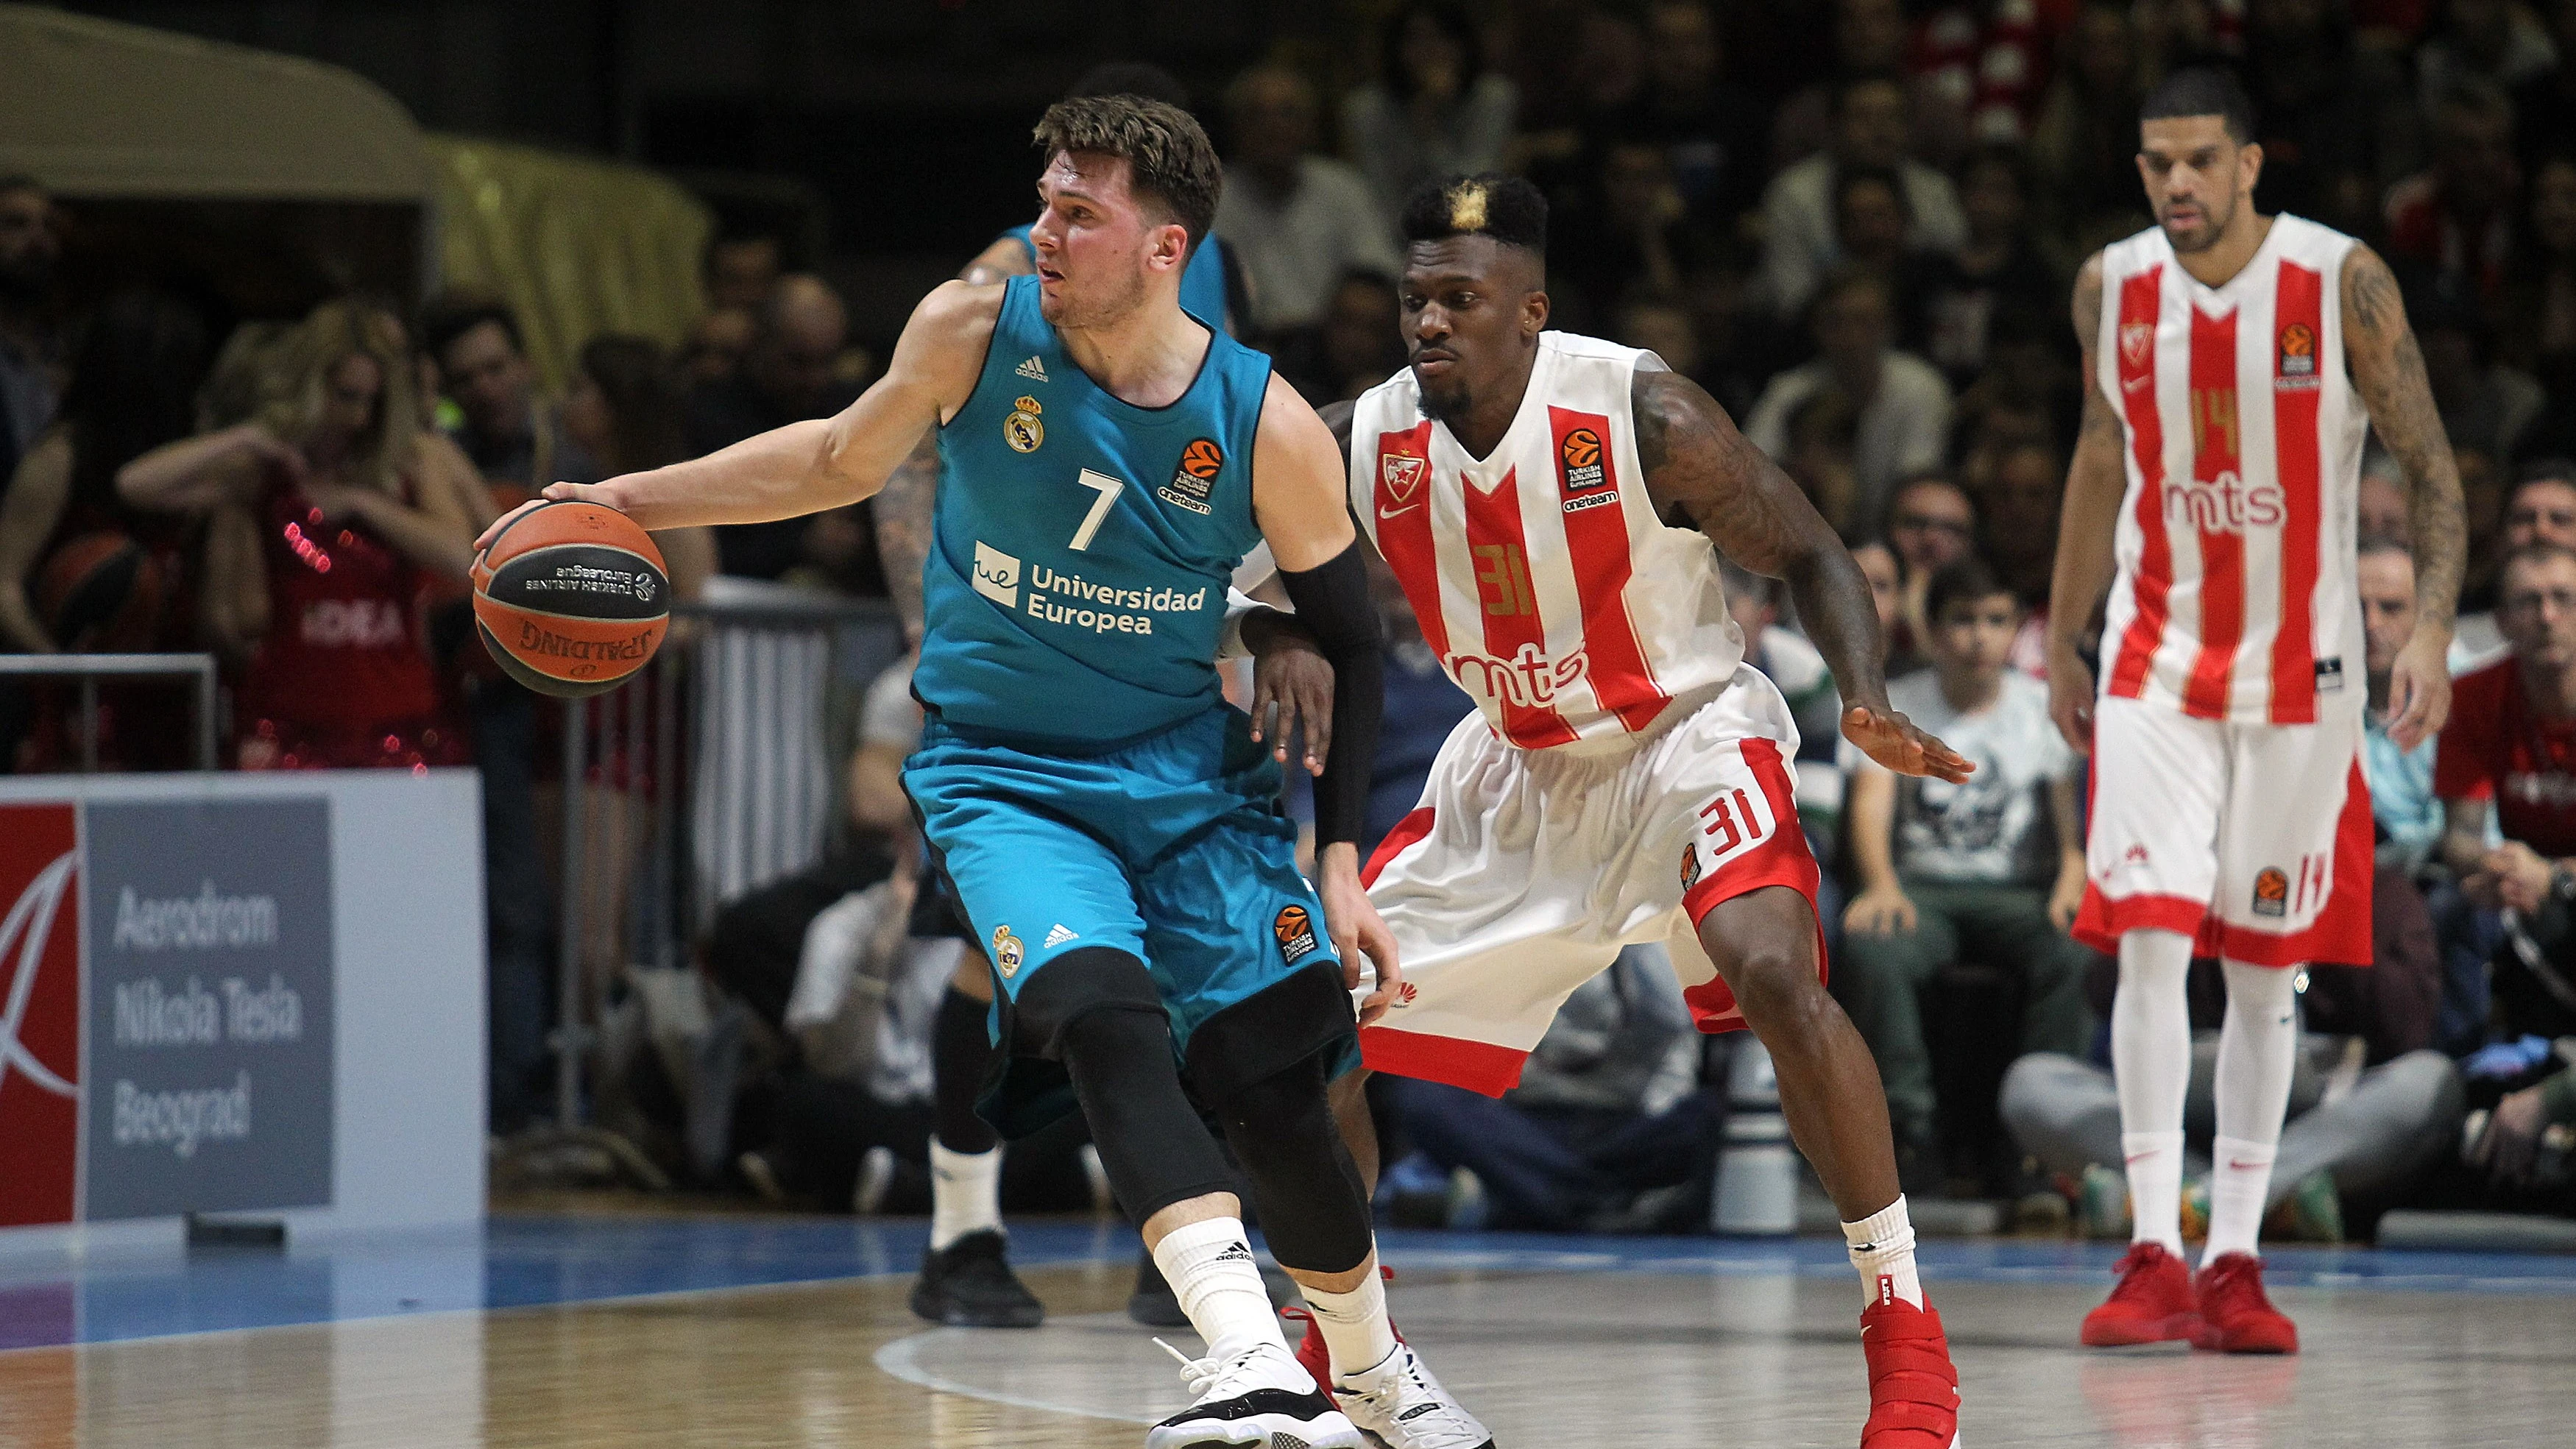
x=1060, y=935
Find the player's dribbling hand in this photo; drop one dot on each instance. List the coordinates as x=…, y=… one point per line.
x=2070, y=696
x=1351, y=919
x=1899, y=744
x=2419, y=688
x=555, y=493
x=1289, y=674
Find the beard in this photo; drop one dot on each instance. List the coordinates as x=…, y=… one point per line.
x=1099, y=304
x=1445, y=401
x=2214, y=223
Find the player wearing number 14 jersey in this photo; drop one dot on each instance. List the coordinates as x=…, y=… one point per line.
x=1626, y=780
x=2232, y=363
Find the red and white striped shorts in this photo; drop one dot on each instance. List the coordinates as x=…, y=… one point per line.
x=1525, y=872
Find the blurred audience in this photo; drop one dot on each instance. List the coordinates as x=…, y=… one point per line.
x=1300, y=222
x=2402, y=802
x=31, y=242
x=1800, y=240
x=789, y=373
x=1434, y=109
x=742, y=269
x=326, y=519
x=2455, y=220
x=1901, y=405
x=83, y=571
x=510, y=435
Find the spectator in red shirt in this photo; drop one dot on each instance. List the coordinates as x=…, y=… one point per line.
x=2509, y=755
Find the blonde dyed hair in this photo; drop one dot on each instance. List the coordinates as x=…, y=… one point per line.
x=297, y=387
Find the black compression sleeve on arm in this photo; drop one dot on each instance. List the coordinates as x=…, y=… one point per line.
x=1333, y=603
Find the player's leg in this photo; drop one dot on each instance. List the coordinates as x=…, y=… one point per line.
x=966, y=1279
x=2151, y=856
x=1315, y=1213
x=1723, y=806
x=2294, y=887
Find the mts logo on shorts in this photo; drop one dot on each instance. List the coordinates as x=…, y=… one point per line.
x=40, y=1015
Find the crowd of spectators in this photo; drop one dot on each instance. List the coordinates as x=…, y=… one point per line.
x=1854, y=222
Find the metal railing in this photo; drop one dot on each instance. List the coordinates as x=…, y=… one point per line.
x=733, y=720
x=89, y=669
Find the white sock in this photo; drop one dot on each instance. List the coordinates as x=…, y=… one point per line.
x=2257, y=1049
x=2151, y=1070
x=1209, y=1265
x=1354, y=1324
x=1882, y=1248
x=965, y=1193
x=2155, y=1187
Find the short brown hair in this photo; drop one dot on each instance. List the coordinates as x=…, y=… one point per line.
x=1170, y=164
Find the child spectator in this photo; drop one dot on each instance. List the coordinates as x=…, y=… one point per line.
x=1990, y=870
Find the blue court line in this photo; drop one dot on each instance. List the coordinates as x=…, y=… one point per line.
x=535, y=1261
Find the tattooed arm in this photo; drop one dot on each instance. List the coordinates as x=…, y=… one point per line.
x=2095, y=479
x=1696, y=460
x=2388, y=372
x=904, y=515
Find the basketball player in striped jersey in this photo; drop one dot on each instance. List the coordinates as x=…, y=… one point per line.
x=2233, y=361
x=1626, y=779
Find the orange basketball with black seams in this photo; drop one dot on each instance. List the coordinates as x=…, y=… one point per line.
x=1582, y=448
x=1291, y=924
x=572, y=598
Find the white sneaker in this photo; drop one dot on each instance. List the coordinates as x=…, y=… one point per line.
x=1401, y=1406
x=1258, y=1399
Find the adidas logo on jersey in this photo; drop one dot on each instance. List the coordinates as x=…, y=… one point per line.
x=1060, y=935
x=1033, y=370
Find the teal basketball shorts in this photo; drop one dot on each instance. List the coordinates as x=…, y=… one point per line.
x=1170, y=848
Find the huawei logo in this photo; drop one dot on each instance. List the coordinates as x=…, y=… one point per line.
x=23, y=936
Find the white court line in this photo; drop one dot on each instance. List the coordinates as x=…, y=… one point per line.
x=902, y=1359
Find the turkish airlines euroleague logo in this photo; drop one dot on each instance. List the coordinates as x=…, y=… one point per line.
x=40, y=1008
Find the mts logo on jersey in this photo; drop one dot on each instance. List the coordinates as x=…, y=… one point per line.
x=40, y=1015
x=1528, y=679
x=2224, y=504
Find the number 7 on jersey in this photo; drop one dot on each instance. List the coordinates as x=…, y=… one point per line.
x=1107, y=487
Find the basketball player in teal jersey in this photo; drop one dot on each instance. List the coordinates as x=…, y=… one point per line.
x=1107, y=821
x=966, y=1279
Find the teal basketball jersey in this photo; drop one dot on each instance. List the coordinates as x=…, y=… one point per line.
x=1202, y=281
x=1077, y=575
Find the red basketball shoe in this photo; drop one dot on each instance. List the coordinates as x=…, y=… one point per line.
x=2152, y=1304
x=2235, y=1316
x=1913, y=1389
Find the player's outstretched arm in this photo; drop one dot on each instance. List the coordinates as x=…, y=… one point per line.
x=828, y=463
x=1695, y=458
x=2086, y=525
x=2388, y=372
x=1298, y=498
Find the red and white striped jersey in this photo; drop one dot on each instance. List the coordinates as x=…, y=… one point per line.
x=1541, y=576
x=2235, y=598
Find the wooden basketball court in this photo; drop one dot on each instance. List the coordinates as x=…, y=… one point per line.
x=742, y=1332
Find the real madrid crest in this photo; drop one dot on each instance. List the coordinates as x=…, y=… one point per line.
x=1021, y=429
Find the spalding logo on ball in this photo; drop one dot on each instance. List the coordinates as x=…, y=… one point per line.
x=572, y=598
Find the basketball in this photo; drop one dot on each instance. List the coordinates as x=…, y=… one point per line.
x=571, y=599
x=100, y=592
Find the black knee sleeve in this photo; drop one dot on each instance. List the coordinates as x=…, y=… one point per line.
x=1097, y=1011
x=1314, y=1213
x=961, y=1061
